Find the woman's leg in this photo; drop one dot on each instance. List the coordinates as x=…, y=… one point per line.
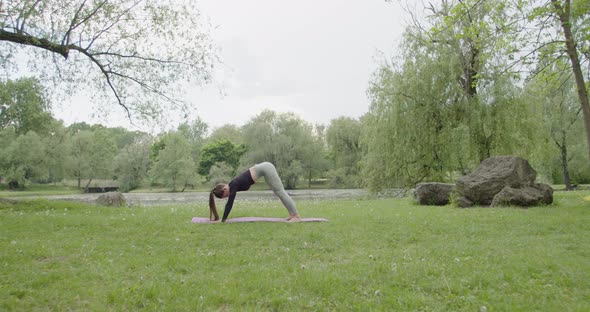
x=269, y=172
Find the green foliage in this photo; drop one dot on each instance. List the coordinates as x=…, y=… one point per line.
x=286, y=141
x=451, y=100
x=128, y=53
x=566, y=44
x=339, y=178
x=156, y=147
x=410, y=134
x=90, y=155
x=560, y=124
x=23, y=106
x=23, y=159
x=344, y=143
x=231, y=133
x=132, y=163
x=375, y=255
x=220, y=173
x=292, y=174
x=195, y=133
x=220, y=151
x=174, y=165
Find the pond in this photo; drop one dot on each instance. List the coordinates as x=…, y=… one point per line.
x=160, y=199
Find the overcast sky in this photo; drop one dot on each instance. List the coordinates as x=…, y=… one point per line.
x=313, y=58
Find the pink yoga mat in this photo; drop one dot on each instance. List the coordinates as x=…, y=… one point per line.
x=257, y=219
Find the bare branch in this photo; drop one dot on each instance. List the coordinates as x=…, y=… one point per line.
x=66, y=38
x=24, y=15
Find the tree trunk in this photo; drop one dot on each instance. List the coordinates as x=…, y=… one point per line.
x=564, y=18
x=564, y=162
x=87, y=185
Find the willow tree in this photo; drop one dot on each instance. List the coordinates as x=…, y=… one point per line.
x=446, y=103
x=571, y=41
x=553, y=89
x=483, y=36
x=138, y=54
x=343, y=138
x=408, y=133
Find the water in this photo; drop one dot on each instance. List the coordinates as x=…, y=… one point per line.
x=161, y=199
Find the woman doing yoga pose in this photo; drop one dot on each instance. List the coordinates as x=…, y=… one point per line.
x=243, y=182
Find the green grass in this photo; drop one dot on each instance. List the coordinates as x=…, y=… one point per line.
x=380, y=255
x=38, y=190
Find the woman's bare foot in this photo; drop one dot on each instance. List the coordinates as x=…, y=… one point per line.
x=294, y=218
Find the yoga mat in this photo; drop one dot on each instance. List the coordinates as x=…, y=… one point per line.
x=257, y=219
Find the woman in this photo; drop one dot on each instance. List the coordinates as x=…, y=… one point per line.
x=243, y=183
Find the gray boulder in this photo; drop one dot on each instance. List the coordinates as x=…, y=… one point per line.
x=494, y=175
x=433, y=193
x=464, y=202
x=523, y=197
x=547, y=192
x=111, y=199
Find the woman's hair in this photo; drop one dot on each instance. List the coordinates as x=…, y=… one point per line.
x=217, y=192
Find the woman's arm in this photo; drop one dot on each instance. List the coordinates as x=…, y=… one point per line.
x=228, y=206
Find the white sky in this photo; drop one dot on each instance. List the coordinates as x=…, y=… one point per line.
x=310, y=57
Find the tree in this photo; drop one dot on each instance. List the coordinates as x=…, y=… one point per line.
x=174, y=164
x=314, y=159
x=284, y=140
x=554, y=89
x=481, y=36
x=195, y=132
x=123, y=137
x=231, y=133
x=91, y=155
x=23, y=106
x=573, y=18
x=135, y=52
x=344, y=143
x=407, y=131
x=221, y=151
x=447, y=103
x=24, y=160
x=79, y=147
x=7, y=136
x=56, y=151
x=132, y=162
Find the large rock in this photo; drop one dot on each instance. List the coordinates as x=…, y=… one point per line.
x=433, y=193
x=523, y=197
x=111, y=199
x=496, y=173
x=547, y=192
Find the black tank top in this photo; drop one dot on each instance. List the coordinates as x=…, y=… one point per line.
x=238, y=184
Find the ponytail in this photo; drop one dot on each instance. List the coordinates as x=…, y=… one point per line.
x=212, y=208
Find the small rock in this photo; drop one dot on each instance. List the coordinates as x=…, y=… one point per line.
x=111, y=199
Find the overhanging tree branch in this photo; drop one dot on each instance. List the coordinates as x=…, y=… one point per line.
x=35, y=42
x=140, y=51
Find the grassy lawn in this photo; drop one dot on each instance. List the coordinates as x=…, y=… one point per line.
x=384, y=255
x=39, y=190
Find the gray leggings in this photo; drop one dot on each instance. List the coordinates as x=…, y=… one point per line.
x=269, y=172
